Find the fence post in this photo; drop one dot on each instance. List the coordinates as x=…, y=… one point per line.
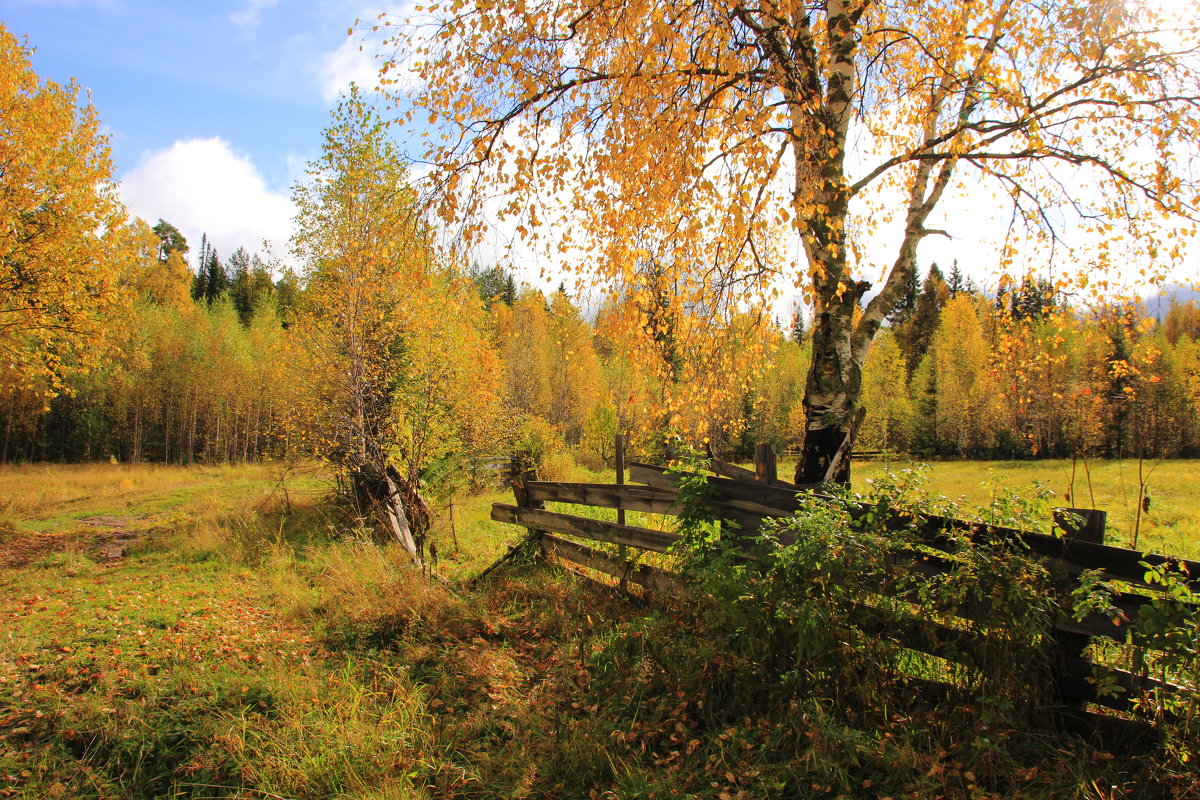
x=620, y=474
x=523, y=470
x=765, y=466
x=1078, y=525
x=622, y=551
x=1090, y=529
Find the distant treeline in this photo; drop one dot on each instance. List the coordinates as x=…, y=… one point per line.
x=1024, y=374
x=189, y=375
x=199, y=373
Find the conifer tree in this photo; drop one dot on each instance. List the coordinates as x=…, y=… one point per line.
x=906, y=302
x=914, y=338
x=240, y=290
x=495, y=284
x=958, y=283
x=798, y=331
x=216, y=280
x=171, y=240
x=200, y=282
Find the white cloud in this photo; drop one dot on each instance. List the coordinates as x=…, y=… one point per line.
x=353, y=62
x=203, y=186
x=250, y=17
x=372, y=43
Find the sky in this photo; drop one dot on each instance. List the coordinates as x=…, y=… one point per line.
x=214, y=107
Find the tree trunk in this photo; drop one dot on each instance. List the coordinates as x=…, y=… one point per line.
x=832, y=390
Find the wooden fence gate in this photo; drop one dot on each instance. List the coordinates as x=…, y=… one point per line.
x=748, y=497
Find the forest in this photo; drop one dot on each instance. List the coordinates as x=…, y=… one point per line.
x=125, y=342
x=202, y=369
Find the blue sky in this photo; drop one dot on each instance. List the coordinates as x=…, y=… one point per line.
x=212, y=108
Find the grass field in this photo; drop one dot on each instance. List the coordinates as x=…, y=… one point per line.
x=225, y=632
x=1172, y=524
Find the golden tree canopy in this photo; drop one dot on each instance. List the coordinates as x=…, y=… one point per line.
x=57, y=203
x=720, y=138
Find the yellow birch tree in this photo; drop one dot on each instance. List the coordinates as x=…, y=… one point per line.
x=57, y=203
x=717, y=138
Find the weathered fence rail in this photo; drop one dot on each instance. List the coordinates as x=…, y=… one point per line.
x=747, y=497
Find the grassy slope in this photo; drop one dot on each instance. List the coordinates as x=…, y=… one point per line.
x=251, y=648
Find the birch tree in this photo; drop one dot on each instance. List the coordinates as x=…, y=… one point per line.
x=721, y=137
x=58, y=277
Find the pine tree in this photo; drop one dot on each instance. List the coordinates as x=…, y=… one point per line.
x=170, y=240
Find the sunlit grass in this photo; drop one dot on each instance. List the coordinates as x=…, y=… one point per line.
x=256, y=644
x=1172, y=524
x=48, y=497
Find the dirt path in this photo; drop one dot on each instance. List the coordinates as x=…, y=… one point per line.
x=106, y=538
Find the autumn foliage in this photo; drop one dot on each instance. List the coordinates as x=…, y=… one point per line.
x=58, y=272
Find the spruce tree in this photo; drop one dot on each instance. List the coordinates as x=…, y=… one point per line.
x=216, y=280
x=904, y=307
x=799, y=331
x=926, y=314
x=1033, y=299
x=958, y=283
x=200, y=282
x=496, y=283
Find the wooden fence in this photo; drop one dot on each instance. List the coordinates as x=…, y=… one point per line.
x=748, y=497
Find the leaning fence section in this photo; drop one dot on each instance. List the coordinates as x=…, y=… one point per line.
x=748, y=497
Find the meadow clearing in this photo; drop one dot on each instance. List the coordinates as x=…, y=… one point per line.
x=1171, y=525
x=224, y=632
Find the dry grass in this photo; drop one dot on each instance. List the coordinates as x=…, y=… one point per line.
x=51, y=496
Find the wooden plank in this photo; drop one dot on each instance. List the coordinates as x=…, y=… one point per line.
x=758, y=498
x=1116, y=562
x=1124, y=567
x=1076, y=676
x=644, y=575
x=646, y=499
x=397, y=519
x=733, y=472
x=652, y=475
x=1077, y=555
x=598, y=530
